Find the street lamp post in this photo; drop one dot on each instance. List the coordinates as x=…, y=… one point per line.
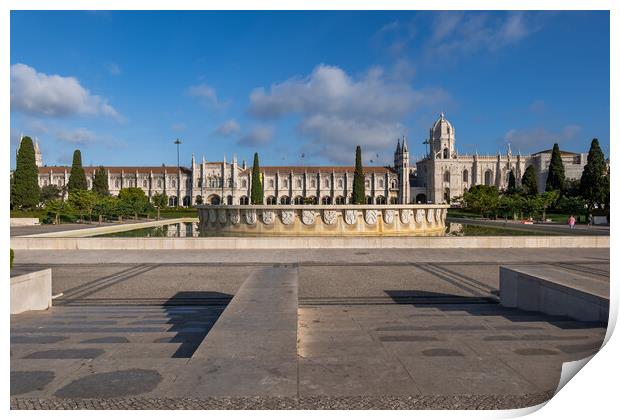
x=178, y=143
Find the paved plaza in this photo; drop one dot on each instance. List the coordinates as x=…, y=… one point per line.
x=292, y=329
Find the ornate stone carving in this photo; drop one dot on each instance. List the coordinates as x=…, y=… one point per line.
x=371, y=217
x=405, y=216
x=307, y=217
x=221, y=216
x=429, y=215
x=350, y=216
x=288, y=216
x=419, y=216
x=330, y=217
x=444, y=214
x=268, y=217
x=250, y=217
x=212, y=215
x=388, y=216
x=438, y=214
x=234, y=217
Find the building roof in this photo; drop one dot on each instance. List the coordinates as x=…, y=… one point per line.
x=116, y=169
x=562, y=153
x=323, y=169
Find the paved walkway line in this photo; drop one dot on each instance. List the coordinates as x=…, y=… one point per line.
x=252, y=348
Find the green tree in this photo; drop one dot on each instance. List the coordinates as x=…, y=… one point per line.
x=160, y=201
x=528, y=182
x=512, y=183
x=25, y=192
x=133, y=200
x=548, y=199
x=84, y=202
x=100, y=182
x=199, y=199
x=77, y=178
x=572, y=205
x=359, y=184
x=257, y=183
x=594, y=185
x=555, y=175
x=50, y=192
x=482, y=199
x=57, y=208
x=106, y=207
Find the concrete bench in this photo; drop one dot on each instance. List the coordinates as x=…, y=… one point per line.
x=31, y=291
x=252, y=348
x=554, y=291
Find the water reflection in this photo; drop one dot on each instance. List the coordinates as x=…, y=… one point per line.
x=173, y=230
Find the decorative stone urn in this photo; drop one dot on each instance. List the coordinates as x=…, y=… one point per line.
x=323, y=220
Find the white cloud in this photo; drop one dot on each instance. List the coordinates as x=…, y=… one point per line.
x=457, y=33
x=76, y=136
x=257, y=136
x=207, y=93
x=228, y=128
x=53, y=95
x=538, y=138
x=339, y=111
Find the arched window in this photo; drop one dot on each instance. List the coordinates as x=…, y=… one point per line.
x=340, y=200
x=244, y=183
x=144, y=183
x=326, y=183
x=285, y=200
x=298, y=200
x=271, y=200
x=326, y=200
x=243, y=200
x=298, y=182
x=285, y=183
x=380, y=199
x=446, y=153
x=369, y=200
x=420, y=198
x=394, y=184
x=198, y=199
x=393, y=200
x=312, y=200
x=446, y=195
x=446, y=176
x=229, y=200
x=466, y=176
x=271, y=183
x=174, y=183
x=313, y=183
x=340, y=183
x=116, y=183
x=488, y=177
x=381, y=183
x=159, y=183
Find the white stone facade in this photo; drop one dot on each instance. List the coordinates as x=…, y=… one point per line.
x=444, y=174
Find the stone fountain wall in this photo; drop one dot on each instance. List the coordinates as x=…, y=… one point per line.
x=323, y=220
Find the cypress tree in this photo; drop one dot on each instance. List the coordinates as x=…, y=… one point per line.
x=555, y=176
x=25, y=191
x=512, y=182
x=359, y=193
x=257, y=185
x=100, y=182
x=593, y=183
x=530, y=187
x=77, y=179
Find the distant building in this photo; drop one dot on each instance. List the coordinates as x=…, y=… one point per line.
x=443, y=174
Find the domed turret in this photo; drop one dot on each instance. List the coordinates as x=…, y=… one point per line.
x=442, y=138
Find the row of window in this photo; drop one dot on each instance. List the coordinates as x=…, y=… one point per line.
x=488, y=177
x=298, y=200
x=327, y=183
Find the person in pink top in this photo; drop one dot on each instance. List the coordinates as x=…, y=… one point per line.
x=571, y=221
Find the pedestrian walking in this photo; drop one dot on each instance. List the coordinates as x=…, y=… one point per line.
x=571, y=221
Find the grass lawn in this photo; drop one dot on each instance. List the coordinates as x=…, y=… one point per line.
x=471, y=230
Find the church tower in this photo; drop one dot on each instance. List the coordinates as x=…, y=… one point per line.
x=442, y=139
x=401, y=165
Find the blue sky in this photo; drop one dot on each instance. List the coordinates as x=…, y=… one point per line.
x=121, y=86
